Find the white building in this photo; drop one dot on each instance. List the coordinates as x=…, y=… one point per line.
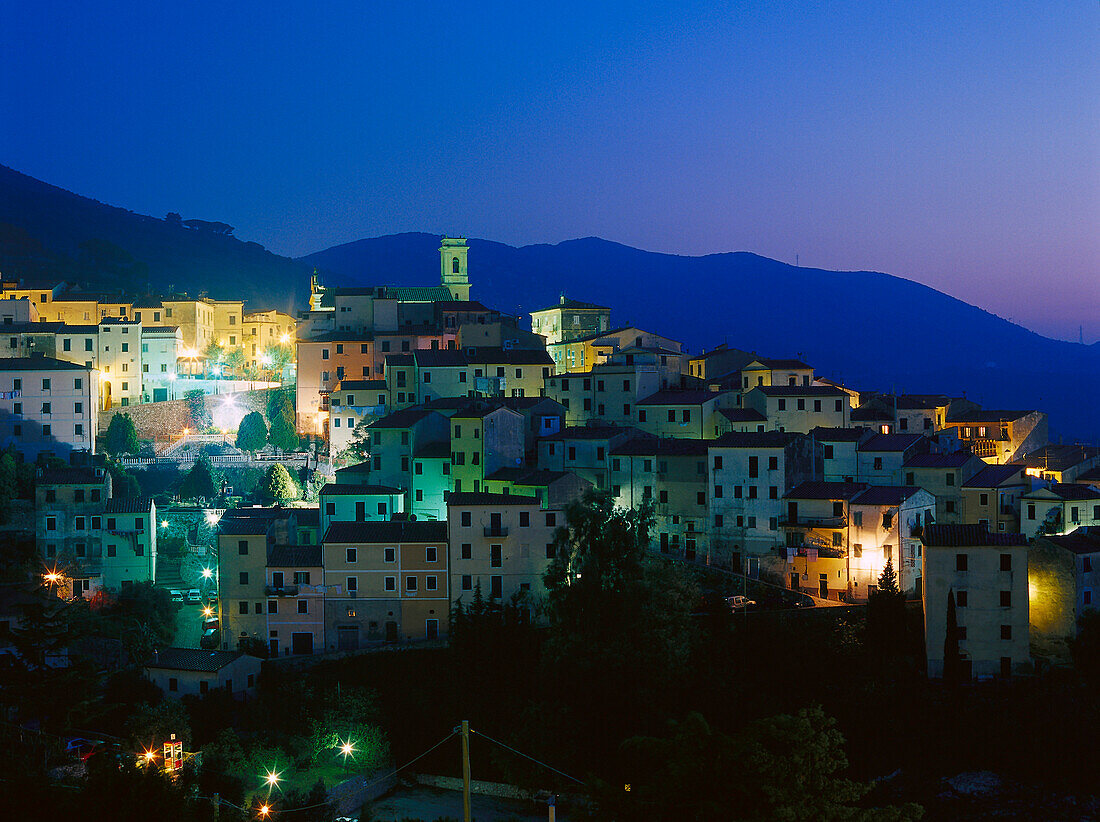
x=47, y=406
x=160, y=352
x=120, y=362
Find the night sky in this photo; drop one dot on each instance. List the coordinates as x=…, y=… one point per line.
x=956, y=144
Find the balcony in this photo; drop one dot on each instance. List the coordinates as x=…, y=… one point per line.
x=281, y=590
x=495, y=531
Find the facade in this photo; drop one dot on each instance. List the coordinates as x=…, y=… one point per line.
x=1060, y=508
x=129, y=542
x=799, y=408
x=1000, y=437
x=690, y=414
x=880, y=458
x=120, y=362
x=1063, y=575
x=762, y=373
x=385, y=582
x=47, y=406
x=180, y=672
x=68, y=511
x=817, y=536
x=570, y=320
x=943, y=475
x=343, y=501
x=500, y=543
x=351, y=403
x=160, y=354
x=296, y=600
x=886, y=525
x=979, y=580
x=992, y=497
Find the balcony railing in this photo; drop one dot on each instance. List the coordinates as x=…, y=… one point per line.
x=281, y=590
x=495, y=531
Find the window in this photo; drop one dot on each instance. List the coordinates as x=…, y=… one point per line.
x=962, y=599
x=878, y=463
x=857, y=550
x=467, y=550
x=773, y=492
x=273, y=606
x=243, y=578
x=828, y=452
x=431, y=554
x=700, y=497
x=495, y=556
x=949, y=506
x=467, y=582
x=1006, y=599
x=983, y=499
x=466, y=519
x=410, y=585
x=718, y=520
x=717, y=491
x=524, y=519
x=353, y=584
x=961, y=562
x=430, y=583
x=782, y=405
x=551, y=520
x=1006, y=562
x=242, y=547
x=242, y=608
x=1006, y=632
x=350, y=555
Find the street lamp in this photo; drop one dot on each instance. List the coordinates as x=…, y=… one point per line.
x=207, y=573
x=264, y=810
x=272, y=779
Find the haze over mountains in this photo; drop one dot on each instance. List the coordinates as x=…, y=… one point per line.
x=870, y=330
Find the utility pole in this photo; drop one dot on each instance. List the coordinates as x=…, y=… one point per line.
x=216, y=801
x=465, y=770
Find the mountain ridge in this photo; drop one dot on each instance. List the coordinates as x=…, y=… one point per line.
x=871, y=329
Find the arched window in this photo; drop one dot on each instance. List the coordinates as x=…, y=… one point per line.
x=454, y=265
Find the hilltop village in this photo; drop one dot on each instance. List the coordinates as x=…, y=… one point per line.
x=359, y=476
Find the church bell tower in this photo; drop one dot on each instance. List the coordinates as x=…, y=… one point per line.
x=452, y=261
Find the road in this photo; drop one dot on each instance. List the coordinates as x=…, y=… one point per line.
x=189, y=625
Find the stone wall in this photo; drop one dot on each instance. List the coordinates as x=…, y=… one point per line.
x=166, y=420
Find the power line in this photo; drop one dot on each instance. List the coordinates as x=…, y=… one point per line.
x=525, y=756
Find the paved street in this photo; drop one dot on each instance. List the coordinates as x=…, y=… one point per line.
x=189, y=625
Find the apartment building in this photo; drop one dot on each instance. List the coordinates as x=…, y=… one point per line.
x=47, y=406
x=501, y=543
x=295, y=589
x=992, y=497
x=800, y=408
x=385, y=582
x=976, y=598
x=1059, y=508
x=569, y=320
x=68, y=512
x=129, y=542
x=762, y=373
x=943, y=475
x=690, y=414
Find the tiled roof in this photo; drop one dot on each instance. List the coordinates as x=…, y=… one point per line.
x=459, y=499
x=440, y=358
x=527, y=476
x=294, y=556
x=956, y=459
x=405, y=418
x=192, y=659
x=38, y=364
x=389, y=531
x=1092, y=475
x=670, y=397
x=360, y=385
x=991, y=415
x=773, y=365
x=477, y=410
x=967, y=536
x=418, y=294
x=513, y=356
x=70, y=475
x=870, y=413
x=826, y=490
x=461, y=305
x=588, y=432
x=664, y=446
x=995, y=475
x=1073, y=491
x=340, y=489
x=1059, y=457
x=891, y=442
x=922, y=402
x=800, y=391
x=160, y=330
x=308, y=516
x=742, y=415
x=129, y=505
x=885, y=495
x=755, y=439
x=399, y=360
x=839, y=434
x=1082, y=541
x=573, y=305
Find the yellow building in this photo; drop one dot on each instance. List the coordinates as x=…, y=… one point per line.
x=761, y=373
x=385, y=582
x=263, y=330
x=570, y=320
x=1001, y=437
x=992, y=497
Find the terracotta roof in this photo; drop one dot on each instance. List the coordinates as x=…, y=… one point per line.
x=70, y=475
x=995, y=475
x=799, y=391
x=1060, y=457
x=992, y=415
x=885, y=495
x=1084, y=540
x=433, y=450
x=129, y=505
x=742, y=415
x=38, y=364
x=1073, y=491
x=870, y=413
x=839, y=434
x=590, y=432
x=330, y=489
x=458, y=499
x=388, y=531
x=461, y=305
x=826, y=490
x=308, y=516
x=755, y=439
x=572, y=304
x=966, y=536
x=772, y=365
x=192, y=659
x=956, y=459
x=664, y=446
x=360, y=385
x=297, y=556
x=405, y=418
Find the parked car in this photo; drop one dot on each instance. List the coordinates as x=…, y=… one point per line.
x=82, y=748
x=211, y=639
x=737, y=602
x=177, y=596
x=194, y=596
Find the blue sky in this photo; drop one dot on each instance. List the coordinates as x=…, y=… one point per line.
x=956, y=144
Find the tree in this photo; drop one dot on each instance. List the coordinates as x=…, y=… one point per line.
x=252, y=432
x=121, y=436
x=280, y=413
x=173, y=218
x=196, y=408
x=150, y=726
x=9, y=485
x=278, y=485
x=886, y=614
x=358, y=448
x=952, y=659
x=1086, y=647
x=199, y=482
x=123, y=484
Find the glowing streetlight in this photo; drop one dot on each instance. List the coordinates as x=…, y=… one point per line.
x=272, y=779
x=347, y=749
x=208, y=611
x=164, y=523
x=285, y=338
x=52, y=577
x=149, y=756
x=207, y=573
x=264, y=810
x=212, y=518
